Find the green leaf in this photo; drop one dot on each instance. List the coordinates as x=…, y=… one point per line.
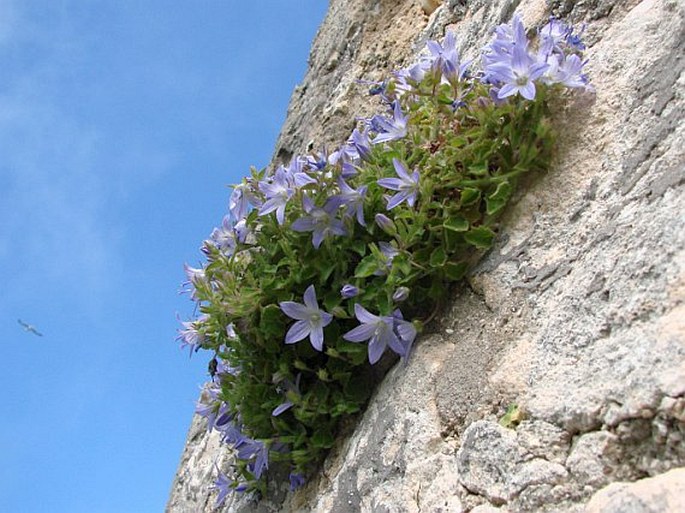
x=401, y=264
x=479, y=170
x=469, y=196
x=344, y=409
x=453, y=240
x=438, y=257
x=271, y=322
x=366, y=267
x=456, y=223
x=455, y=271
x=301, y=456
x=326, y=267
x=322, y=438
x=358, y=390
x=480, y=237
x=513, y=417
x=359, y=247
x=498, y=199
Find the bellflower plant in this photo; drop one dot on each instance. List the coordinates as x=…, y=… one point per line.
x=434, y=169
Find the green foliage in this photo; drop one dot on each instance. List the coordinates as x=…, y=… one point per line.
x=469, y=158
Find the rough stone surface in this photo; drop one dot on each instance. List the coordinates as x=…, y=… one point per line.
x=491, y=463
x=577, y=316
x=661, y=494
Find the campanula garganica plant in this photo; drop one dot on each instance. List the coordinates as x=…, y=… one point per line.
x=329, y=263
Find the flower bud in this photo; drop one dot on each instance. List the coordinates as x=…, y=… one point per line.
x=386, y=224
x=340, y=313
x=348, y=291
x=401, y=294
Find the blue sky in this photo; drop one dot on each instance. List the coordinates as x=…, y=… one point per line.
x=121, y=124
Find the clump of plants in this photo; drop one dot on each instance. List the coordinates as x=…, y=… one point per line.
x=330, y=263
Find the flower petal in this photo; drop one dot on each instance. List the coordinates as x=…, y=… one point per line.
x=397, y=199
x=316, y=337
x=281, y=408
x=528, y=91
x=297, y=332
x=401, y=170
x=376, y=350
x=303, y=224
x=326, y=318
x=394, y=184
x=361, y=333
x=317, y=238
x=294, y=310
x=310, y=298
x=405, y=330
x=364, y=316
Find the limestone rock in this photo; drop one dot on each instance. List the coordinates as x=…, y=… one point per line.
x=662, y=494
x=492, y=464
x=594, y=457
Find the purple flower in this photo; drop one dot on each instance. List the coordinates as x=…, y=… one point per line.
x=352, y=200
x=566, y=70
x=196, y=278
x=381, y=332
x=232, y=434
x=277, y=192
x=571, y=75
x=225, y=419
x=413, y=74
x=223, y=485
x=390, y=129
x=310, y=320
x=261, y=462
x=320, y=221
x=296, y=175
x=347, y=153
x=296, y=481
x=287, y=404
x=553, y=36
x=501, y=47
x=348, y=170
x=356, y=147
x=238, y=203
x=445, y=58
x=248, y=449
x=212, y=408
x=318, y=161
x=408, y=186
x=348, y=291
x=190, y=336
x=388, y=252
x=518, y=74
x=508, y=64
x=405, y=331
x=224, y=238
x=361, y=142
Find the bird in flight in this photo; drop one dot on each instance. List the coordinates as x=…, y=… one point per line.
x=29, y=328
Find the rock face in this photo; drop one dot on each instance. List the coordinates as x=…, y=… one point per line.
x=576, y=317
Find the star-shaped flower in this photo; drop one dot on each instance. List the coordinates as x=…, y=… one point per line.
x=311, y=320
x=381, y=332
x=407, y=185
